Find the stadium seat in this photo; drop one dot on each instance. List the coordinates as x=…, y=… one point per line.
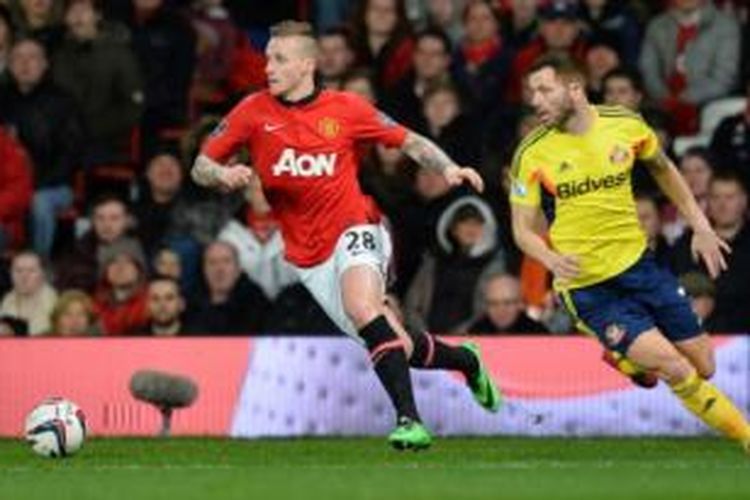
x=685, y=142
x=716, y=111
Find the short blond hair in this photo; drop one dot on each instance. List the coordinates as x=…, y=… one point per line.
x=292, y=28
x=289, y=29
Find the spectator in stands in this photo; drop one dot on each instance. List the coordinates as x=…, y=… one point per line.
x=218, y=42
x=702, y=293
x=156, y=208
x=697, y=167
x=39, y=19
x=451, y=129
x=49, y=125
x=6, y=42
x=559, y=32
x=414, y=223
x=336, y=56
x=260, y=249
x=120, y=298
x=229, y=303
x=96, y=65
x=503, y=310
x=32, y=298
x=520, y=27
x=360, y=81
x=432, y=60
x=167, y=263
x=165, y=306
x=444, y=15
x=442, y=296
x=382, y=40
x=111, y=226
x=74, y=315
x=731, y=140
x=164, y=45
x=617, y=21
x=16, y=191
x=168, y=215
x=649, y=216
x=623, y=87
x=600, y=59
x=727, y=210
x=482, y=61
x=690, y=56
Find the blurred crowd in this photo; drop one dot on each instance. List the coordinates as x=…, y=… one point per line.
x=103, y=106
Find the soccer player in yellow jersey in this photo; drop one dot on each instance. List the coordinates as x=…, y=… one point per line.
x=575, y=170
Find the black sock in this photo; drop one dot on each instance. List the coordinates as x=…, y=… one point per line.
x=391, y=366
x=431, y=353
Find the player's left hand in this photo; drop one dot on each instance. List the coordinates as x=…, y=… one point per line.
x=707, y=245
x=455, y=176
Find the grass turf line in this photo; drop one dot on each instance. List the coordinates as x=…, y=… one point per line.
x=497, y=468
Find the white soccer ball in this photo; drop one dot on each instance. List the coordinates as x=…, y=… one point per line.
x=55, y=428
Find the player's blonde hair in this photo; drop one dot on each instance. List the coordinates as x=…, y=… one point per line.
x=302, y=30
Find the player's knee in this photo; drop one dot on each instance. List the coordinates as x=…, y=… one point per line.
x=362, y=311
x=706, y=368
x=674, y=368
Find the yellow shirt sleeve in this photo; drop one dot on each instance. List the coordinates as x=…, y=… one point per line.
x=648, y=142
x=525, y=186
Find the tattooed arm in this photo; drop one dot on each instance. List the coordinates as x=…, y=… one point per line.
x=209, y=173
x=427, y=154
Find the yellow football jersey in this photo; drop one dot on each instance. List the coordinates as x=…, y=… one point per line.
x=583, y=184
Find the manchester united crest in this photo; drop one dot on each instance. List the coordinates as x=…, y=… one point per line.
x=619, y=155
x=329, y=127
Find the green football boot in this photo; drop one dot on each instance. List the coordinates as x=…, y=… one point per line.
x=485, y=392
x=410, y=435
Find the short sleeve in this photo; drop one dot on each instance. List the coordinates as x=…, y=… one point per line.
x=369, y=124
x=648, y=143
x=230, y=134
x=524, y=181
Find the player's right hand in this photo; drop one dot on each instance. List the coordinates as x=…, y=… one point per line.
x=709, y=247
x=564, y=267
x=236, y=177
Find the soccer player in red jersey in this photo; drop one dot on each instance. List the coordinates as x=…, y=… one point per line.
x=303, y=143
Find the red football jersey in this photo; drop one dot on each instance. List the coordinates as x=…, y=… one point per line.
x=306, y=157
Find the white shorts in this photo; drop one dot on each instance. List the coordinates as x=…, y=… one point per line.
x=368, y=245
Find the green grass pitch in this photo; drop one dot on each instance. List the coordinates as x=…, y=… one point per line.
x=492, y=468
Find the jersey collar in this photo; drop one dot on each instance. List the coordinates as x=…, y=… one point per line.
x=301, y=102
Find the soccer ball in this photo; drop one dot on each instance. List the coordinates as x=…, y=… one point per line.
x=55, y=428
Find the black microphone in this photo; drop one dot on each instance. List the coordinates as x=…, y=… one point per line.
x=166, y=391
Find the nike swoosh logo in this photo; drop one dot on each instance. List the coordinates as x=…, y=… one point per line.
x=270, y=128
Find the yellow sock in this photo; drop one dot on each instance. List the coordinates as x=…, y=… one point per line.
x=626, y=366
x=709, y=404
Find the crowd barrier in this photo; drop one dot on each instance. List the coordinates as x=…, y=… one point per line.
x=297, y=386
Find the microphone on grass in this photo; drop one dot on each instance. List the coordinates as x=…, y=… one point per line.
x=165, y=391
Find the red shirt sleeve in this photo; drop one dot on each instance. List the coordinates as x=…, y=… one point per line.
x=372, y=125
x=230, y=134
